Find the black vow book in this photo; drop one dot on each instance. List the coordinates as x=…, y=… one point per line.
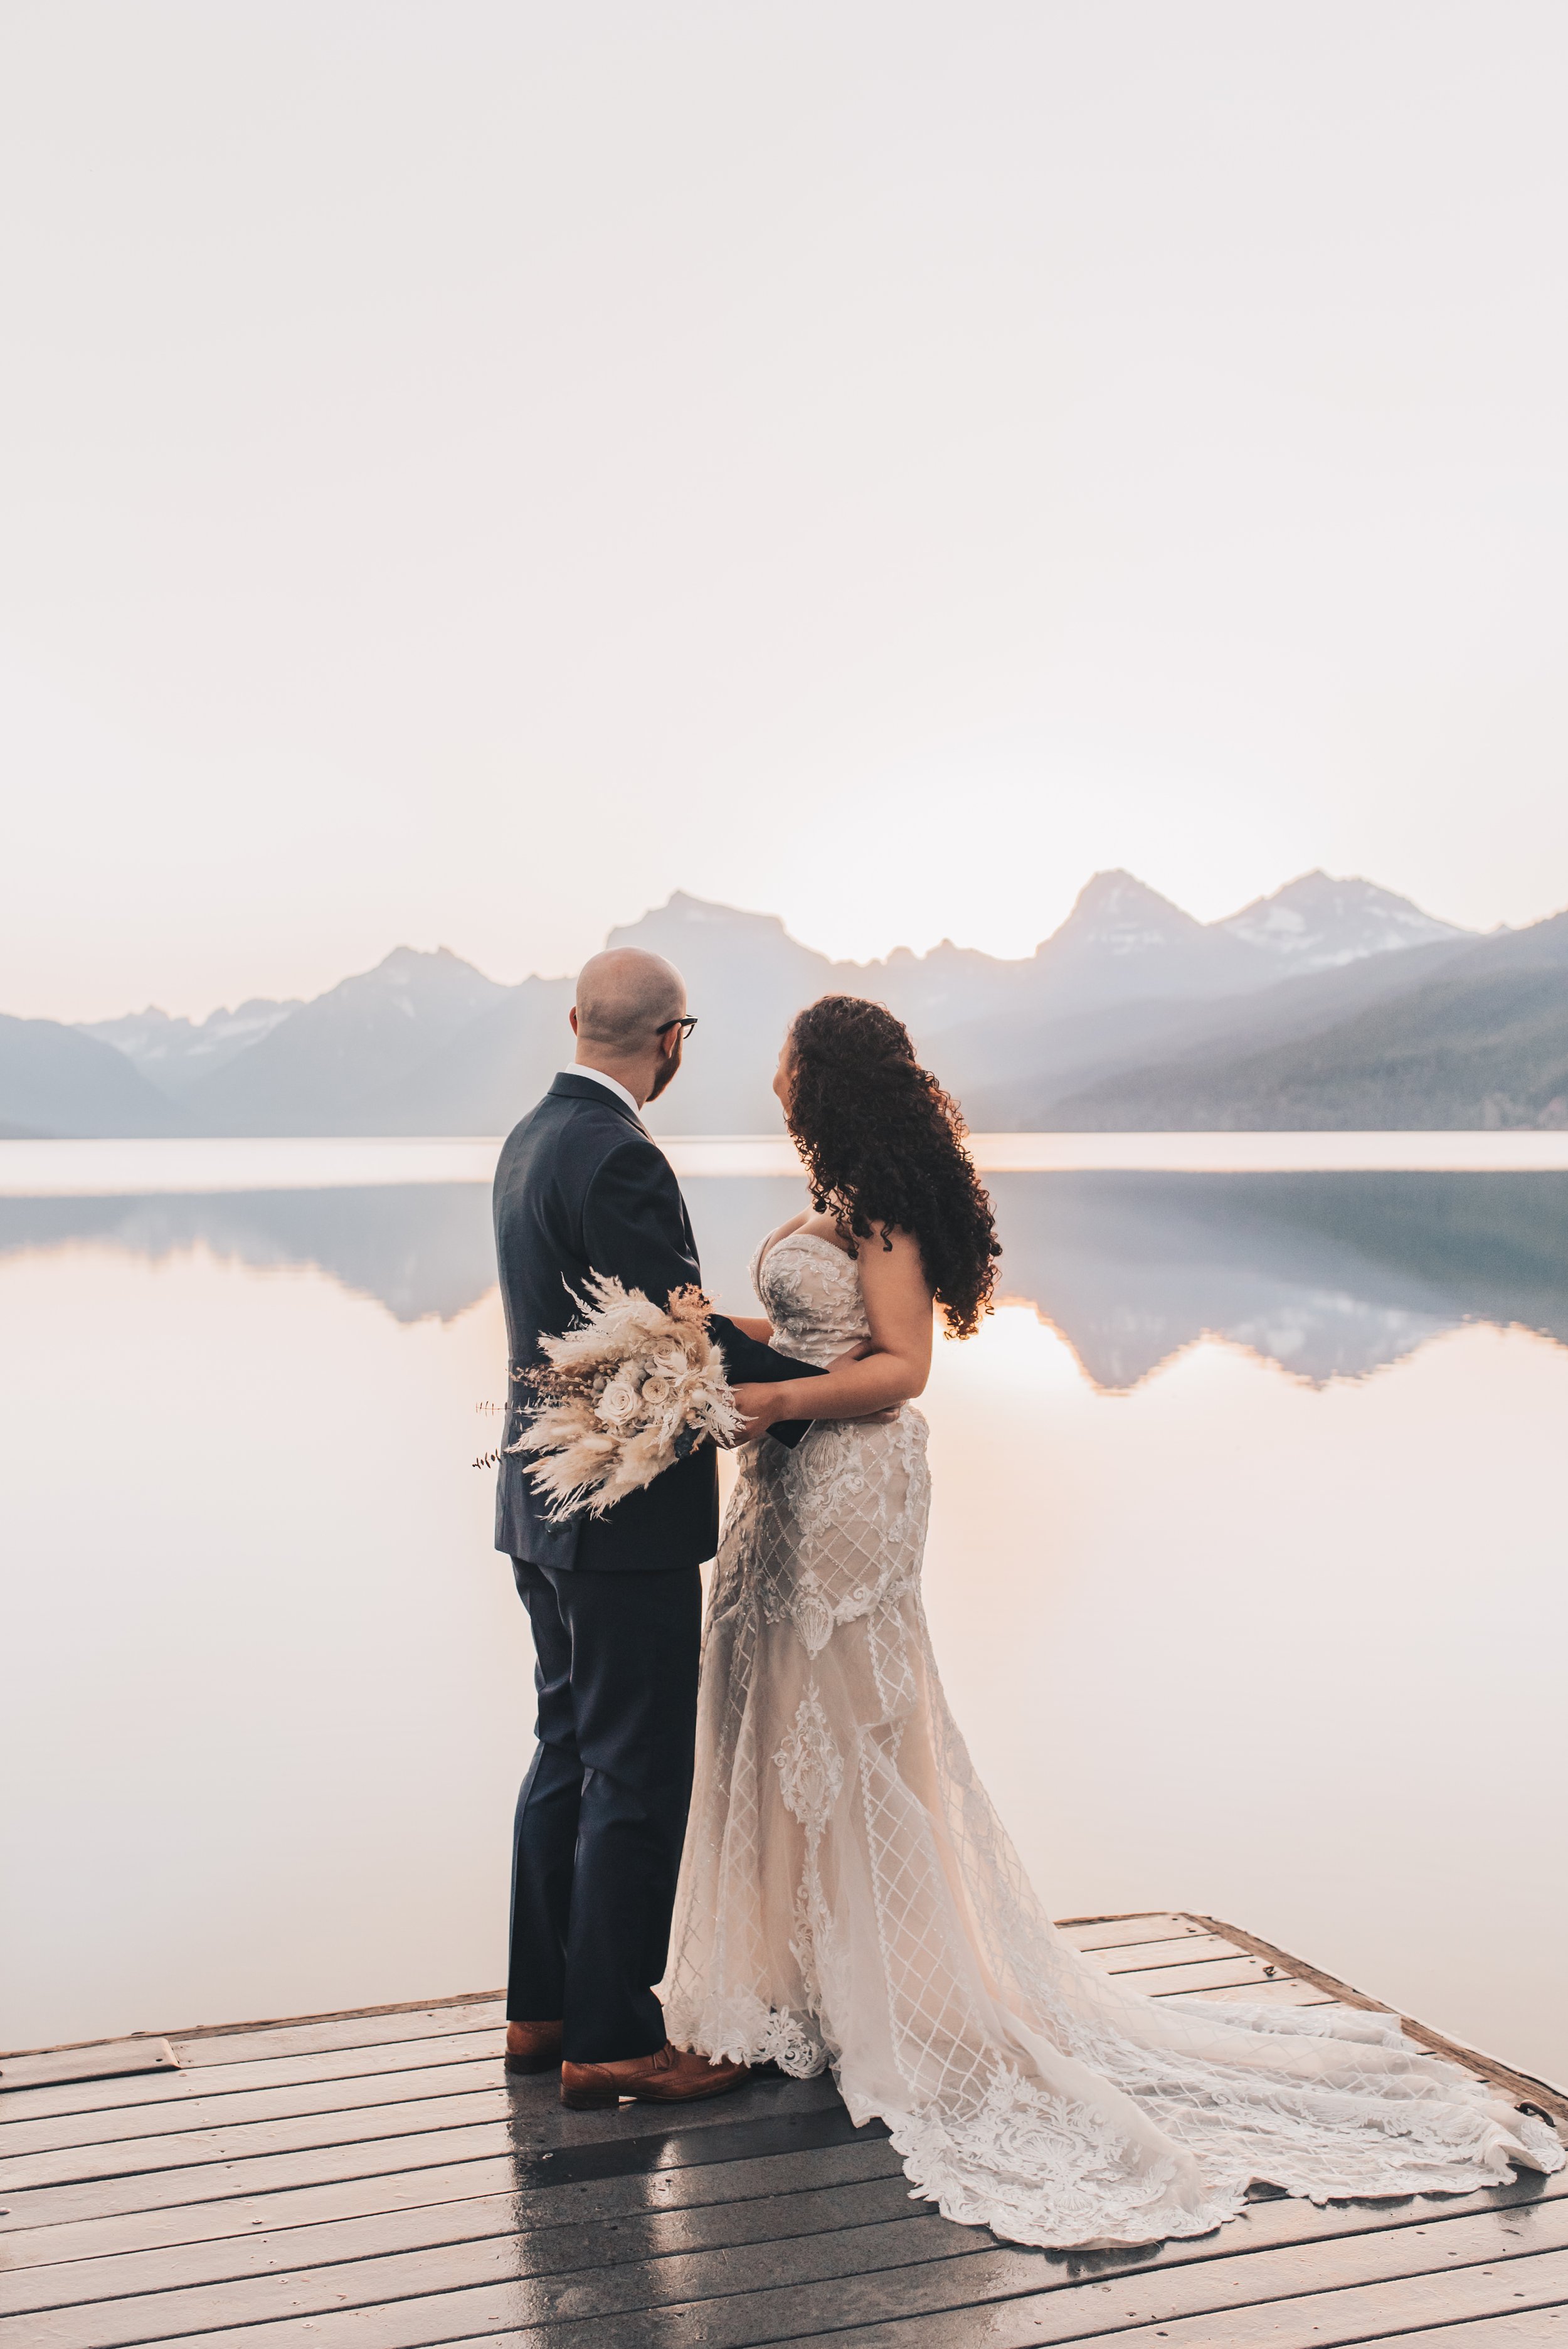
x=749, y=1362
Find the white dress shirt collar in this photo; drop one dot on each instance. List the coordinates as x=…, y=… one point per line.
x=611, y=1085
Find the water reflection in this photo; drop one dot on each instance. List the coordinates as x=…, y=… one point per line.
x=1281, y=1648
x=1329, y=1275
x=423, y=1250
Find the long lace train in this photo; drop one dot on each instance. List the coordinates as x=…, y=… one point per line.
x=849, y=1895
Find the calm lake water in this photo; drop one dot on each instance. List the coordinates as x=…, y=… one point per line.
x=1246, y=1573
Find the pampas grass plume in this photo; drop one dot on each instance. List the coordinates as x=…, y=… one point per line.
x=626, y=1391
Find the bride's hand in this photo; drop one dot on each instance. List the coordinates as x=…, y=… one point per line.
x=758, y=1407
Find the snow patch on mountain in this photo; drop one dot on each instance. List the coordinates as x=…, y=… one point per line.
x=176, y=1053
x=1317, y=923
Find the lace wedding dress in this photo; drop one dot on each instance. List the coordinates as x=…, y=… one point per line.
x=850, y=1897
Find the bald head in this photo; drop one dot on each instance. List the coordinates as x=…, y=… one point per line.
x=624, y=998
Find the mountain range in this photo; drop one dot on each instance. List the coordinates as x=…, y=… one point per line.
x=1331, y=1003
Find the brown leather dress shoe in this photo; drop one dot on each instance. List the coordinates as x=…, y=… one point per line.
x=532, y=2046
x=671, y=2077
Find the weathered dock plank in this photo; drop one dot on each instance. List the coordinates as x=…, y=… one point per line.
x=1235, y=1973
x=376, y=2180
x=1251, y=2316
x=602, y=2266
x=109, y=2059
x=1124, y=1932
x=1179, y=1949
x=261, y=2137
x=212, y=2044
x=144, y=2125
x=183, y=2086
x=1267, y=1994
x=160, y=2191
x=522, y=2139
x=208, y=2242
x=608, y=2223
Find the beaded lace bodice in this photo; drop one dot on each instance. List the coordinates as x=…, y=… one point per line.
x=825, y=1532
x=810, y=1291
x=849, y=1895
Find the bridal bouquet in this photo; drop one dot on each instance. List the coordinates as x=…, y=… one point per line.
x=627, y=1392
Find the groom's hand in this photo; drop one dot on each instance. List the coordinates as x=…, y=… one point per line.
x=857, y=1353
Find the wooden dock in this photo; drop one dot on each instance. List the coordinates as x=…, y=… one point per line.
x=374, y=2179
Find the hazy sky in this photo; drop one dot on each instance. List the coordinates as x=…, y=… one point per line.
x=466, y=469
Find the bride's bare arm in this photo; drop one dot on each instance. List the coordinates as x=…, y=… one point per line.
x=898, y=1307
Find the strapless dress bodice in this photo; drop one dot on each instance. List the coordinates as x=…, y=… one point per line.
x=810, y=1291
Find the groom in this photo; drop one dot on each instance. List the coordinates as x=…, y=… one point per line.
x=615, y=1601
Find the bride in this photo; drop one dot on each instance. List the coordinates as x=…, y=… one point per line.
x=848, y=1895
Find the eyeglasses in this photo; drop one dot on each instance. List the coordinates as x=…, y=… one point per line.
x=685, y=1026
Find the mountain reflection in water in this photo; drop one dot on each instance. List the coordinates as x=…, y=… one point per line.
x=1329, y=1275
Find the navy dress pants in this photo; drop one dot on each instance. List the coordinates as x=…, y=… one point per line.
x=602, y=1815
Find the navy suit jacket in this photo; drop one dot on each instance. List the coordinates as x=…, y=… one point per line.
x=581, y=1186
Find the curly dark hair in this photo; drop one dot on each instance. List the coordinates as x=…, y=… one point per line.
x=882, y=1143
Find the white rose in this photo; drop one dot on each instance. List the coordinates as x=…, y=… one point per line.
x=618, y=1403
